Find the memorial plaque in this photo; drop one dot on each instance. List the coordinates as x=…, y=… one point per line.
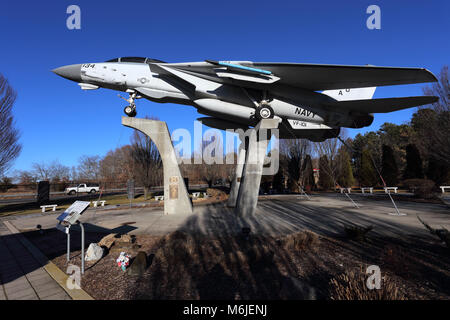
x=43, y=193
x=73, y=212
x=238, y=179
x=173, y=191
x=173, y=179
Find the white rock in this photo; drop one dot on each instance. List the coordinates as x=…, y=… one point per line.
x=94, y=252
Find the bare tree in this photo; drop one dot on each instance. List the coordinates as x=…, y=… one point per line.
x=295, y=152
x=328, y=150
x=117, y=165
x=41, y=171
x=89, y=168
x=230, y=168
x=24, y=177
x=212, y=168
x=9, y=135
x=53, y=171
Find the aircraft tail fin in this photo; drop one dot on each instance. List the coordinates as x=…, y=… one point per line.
x=351, y=94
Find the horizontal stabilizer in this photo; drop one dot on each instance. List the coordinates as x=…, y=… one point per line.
x=384, y=105
x=351, y=94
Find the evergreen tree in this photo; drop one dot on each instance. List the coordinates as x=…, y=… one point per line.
x=438, y=171
x=389, y=170
x=414, y=167
x=277, y=182
x=308, y=173
x=325, y=181
x=345, y=178
x=367, y=175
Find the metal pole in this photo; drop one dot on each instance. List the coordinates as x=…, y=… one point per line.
x=351, y=200
x=82, y=248
x=303, y=192
x=68, y=244
x=395, y=206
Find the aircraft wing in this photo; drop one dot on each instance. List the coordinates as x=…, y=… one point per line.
x=325, y=77
x=314, y=77
x=383, y=105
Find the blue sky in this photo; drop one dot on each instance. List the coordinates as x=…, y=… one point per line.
x=60, y=122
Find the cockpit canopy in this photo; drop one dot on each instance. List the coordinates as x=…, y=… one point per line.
x=136, y=60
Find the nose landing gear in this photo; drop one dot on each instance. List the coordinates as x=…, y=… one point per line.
x=130, y=110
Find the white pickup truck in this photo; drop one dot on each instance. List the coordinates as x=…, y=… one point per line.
x=82, y=188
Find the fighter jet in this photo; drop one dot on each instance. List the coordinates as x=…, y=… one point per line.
x=312, y=101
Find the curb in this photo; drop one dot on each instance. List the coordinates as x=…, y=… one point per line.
x=57, y=274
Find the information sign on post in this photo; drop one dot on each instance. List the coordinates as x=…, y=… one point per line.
x=130, y=189
x=70, y=217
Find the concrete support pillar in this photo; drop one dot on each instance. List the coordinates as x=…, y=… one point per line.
x=236, y=183
x=247, y=198
x=176, y=198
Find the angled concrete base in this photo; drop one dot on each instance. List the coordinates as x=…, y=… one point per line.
x=176, y=198
x=236, y=183
x=251, y=174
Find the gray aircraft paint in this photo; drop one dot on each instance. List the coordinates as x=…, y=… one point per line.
x=232, y=90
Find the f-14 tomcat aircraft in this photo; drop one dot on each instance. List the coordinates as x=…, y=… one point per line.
x=313, y=100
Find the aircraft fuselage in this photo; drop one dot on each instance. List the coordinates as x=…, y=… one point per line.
x=229, y=91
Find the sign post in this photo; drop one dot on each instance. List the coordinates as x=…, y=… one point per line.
x=69, y=218
x=130, y=190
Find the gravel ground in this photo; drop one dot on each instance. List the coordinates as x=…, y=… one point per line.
x=191, y=266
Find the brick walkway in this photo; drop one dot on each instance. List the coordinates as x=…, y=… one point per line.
x=22, y=277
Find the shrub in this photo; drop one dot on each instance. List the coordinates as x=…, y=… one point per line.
x=421, y=188
x=176, y=248
x=443, y=234
x=398, y=261
x=259, y=254
x=356, y=232
x=301, y=241
x=212, y=192
x=6, y=184
x=351, y=285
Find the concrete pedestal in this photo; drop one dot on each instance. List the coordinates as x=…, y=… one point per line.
x=251, y=174
x=176, y=198
x=236, y=183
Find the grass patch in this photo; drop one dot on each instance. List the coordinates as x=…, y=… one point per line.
x=63, y=204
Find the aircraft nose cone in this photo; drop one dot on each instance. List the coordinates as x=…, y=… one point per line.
x=71, y=72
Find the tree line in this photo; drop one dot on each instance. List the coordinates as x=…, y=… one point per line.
x=416, y=150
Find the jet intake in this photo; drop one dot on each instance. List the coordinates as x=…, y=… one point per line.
x=226, y=110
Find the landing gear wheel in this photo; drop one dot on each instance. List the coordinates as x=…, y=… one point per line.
x=264, y=111
x=130, y=111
